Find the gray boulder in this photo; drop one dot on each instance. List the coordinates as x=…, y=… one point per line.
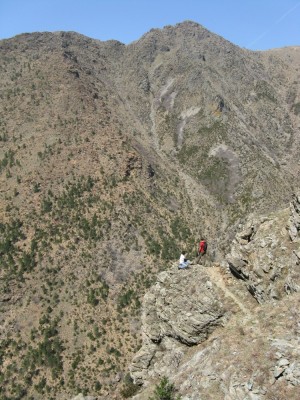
x=80, y=396
x=180, y=310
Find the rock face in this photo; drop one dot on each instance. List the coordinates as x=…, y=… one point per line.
x=243, y=320
x=266, y=254
x=182, y=309
x=250, y=359
x=80, y=396
x=294, y=221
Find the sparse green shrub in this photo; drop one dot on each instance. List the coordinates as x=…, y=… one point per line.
x=125, y=299
x=165, y=391
x=113, y=350
x=46, y=205
x=100, y=361
x=27, y=262
x=296, y=108
x=92, y=299
x=153, y=246
x=129, y=389
x=4, y=137
x=40, y=387
x=36, y=187
x=8, y=160
x=265, y=91
x=76, y=361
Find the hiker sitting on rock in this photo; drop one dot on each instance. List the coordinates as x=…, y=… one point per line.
x=183, y=261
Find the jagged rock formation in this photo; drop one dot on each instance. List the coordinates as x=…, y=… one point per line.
x=294, y=222
x=254, y=353
x=266, y=254
x=181, y=310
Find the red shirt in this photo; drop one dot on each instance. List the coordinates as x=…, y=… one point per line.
x=202, y=246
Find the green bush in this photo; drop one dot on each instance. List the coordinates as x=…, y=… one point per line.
x=129, y=388
x=92, y=299
x=165, y=391
x=296, y=108
x=46, y=205
x=125, y=299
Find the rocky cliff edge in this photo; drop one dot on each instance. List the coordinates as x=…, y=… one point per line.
x=230, y=331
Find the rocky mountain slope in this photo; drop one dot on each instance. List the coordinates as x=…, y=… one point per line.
x=113, y=158
x=218, y=335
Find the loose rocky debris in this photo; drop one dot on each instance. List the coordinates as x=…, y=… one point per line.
x=287, y=366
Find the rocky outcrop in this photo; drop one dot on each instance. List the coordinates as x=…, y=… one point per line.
x=266, y=254
x=250, y=359
x=80, y=396
x=182, y=309
x=294, y=221
x=255, y=352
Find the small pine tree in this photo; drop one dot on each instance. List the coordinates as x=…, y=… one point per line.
x=165, y=391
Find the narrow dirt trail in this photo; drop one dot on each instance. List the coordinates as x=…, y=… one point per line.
x=218, y=280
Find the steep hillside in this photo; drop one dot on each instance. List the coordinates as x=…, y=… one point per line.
x=221, y=111
x=113, y=158
x=83, y=207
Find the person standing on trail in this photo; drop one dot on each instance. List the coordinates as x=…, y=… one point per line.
x=183, y=261
x=201, y=250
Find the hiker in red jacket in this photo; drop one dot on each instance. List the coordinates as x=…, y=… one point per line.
x=201, y=250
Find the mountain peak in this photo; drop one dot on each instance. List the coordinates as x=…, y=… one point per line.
x=189, y=24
